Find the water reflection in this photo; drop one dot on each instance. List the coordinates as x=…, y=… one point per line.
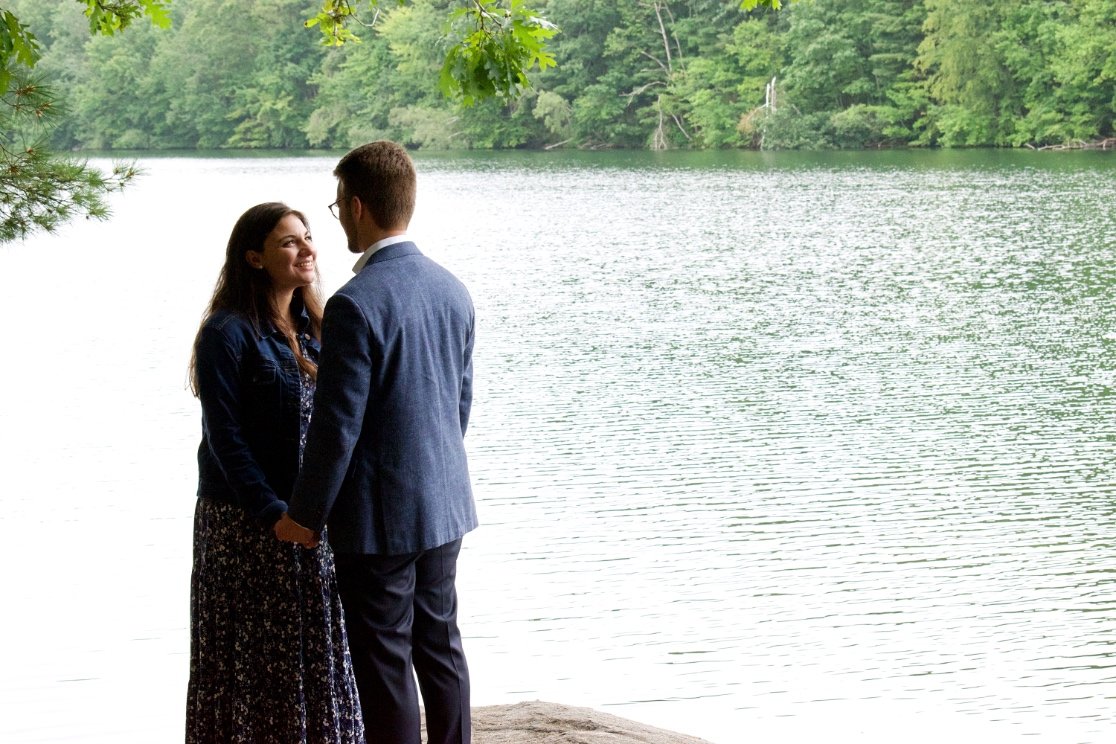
x=766, y=447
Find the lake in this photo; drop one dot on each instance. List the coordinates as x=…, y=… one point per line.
x=770, y=447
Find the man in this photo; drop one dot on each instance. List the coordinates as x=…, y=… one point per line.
x=384, y=464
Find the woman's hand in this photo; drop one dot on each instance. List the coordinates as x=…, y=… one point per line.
x=288, y=530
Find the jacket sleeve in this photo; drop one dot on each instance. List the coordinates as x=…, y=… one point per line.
x=340, y=402
x=218, y=365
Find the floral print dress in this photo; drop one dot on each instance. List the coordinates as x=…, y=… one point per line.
x=269, y=656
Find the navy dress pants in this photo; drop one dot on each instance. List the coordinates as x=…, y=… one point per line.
x=401, y=616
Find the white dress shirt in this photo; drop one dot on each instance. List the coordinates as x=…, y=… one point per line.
x=367, y=255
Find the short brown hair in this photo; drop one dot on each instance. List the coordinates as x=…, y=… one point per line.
x=382, y=176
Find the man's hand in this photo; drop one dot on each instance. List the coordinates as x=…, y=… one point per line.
x=288, y=530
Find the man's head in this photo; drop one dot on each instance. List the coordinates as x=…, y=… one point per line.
x=375, y=192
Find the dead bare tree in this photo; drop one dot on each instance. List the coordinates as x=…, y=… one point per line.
x=665, y=64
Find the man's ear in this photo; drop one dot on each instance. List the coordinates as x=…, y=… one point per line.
x=356, y=208
x=254, y=259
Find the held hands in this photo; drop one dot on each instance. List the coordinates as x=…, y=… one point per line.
x=288, y=530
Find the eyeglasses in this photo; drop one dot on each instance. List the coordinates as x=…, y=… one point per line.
x=333, y=209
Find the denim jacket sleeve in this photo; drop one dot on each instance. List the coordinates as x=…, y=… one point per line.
x=219, y=360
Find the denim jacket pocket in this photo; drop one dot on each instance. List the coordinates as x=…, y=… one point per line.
x=264, y=391
x=266, y=374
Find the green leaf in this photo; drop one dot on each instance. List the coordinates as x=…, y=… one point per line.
x=158, y=12
x=753, y=4
x=497, y=47
x=17, y=41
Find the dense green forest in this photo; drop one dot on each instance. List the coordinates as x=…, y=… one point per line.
x=631, y=74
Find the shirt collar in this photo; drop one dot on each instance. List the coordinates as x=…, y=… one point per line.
x=367, y=255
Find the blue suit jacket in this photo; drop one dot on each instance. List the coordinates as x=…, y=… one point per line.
x=384, y=465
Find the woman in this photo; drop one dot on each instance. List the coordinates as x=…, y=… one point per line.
x=269, y=659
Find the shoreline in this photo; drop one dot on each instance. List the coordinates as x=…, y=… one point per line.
x=540, y=722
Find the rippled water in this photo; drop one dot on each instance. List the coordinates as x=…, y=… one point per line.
x=766, y=447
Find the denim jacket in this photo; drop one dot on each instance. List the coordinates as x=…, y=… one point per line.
x=249, y=386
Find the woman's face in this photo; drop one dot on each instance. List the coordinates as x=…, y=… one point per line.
x=288, y=255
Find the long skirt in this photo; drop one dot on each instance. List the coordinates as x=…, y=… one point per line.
x=269, y=657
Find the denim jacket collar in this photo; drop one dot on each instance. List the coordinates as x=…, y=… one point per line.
x=301, y=316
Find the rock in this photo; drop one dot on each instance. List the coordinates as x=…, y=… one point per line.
x=550, y=723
